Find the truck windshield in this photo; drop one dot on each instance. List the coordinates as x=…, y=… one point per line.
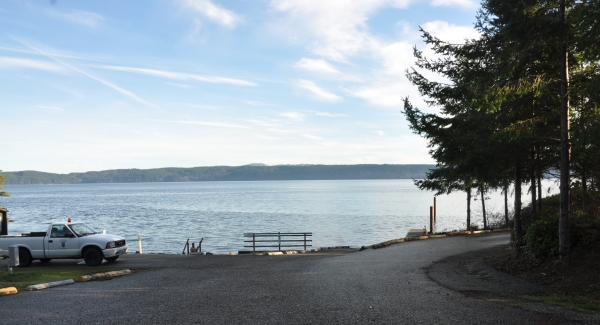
x=81, y=229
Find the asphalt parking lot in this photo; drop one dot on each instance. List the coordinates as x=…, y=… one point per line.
x=393, y=285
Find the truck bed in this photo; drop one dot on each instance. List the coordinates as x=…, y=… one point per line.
x=30, y=234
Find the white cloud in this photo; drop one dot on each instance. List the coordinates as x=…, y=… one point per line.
x=179, y=85
x=449, y=32
x=215, y=124
x=267, y=137
x=323, y=67
x=320, y=66
x=55, y=109
x=258, y=104
x=293, y=116
x=384, y=94
x=327, y=114
x=80, y=17
x=213, y=13
x=271, y=123
x=180, y=75
x=50, y=52
x=312, y=136
x=15, y=63
x=319, y=92
x=461, y=3
x=335, y=29
x=396, y=58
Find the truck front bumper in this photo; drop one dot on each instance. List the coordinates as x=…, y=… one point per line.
x=111, y=252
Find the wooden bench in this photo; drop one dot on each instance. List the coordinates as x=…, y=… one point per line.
x=270, y=240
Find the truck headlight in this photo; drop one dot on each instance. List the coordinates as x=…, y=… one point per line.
x=111, y=245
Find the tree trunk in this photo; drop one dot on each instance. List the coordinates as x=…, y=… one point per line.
x=483, y=207
x=506, y=205
x=517, y=217
x=584, y=189
x=539, y=179
x=533, y=188
x=565, y=151
x=469, y=208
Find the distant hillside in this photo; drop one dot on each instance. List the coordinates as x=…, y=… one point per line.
x=224, y=173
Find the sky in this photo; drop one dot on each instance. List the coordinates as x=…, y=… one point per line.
x=97, y=85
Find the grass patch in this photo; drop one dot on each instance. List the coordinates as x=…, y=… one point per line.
x=577, y=303
x=22, y=278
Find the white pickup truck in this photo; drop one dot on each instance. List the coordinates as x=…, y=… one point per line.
x=65, y=240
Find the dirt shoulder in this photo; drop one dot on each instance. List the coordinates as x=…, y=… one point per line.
x=493, y=275
x=471, y=275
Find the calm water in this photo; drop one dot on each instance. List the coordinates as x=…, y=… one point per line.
x=354, y=213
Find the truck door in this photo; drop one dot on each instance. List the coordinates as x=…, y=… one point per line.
x=62, y=243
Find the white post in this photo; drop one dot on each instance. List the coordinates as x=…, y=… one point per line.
x=13, y=258
x=140, y=243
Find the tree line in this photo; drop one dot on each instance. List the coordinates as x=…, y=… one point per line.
x=516, y=103
x=224, y=173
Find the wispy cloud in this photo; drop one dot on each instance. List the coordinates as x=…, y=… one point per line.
x=179, y=85
x=79, y=17
x=324, y=68
x=257, y=103
x=293, y=116
x=53, y=53
x=213, y=12
x=266, y=122
x=267, y=137
x=12, y=63
x=320, y=66
x=460, y=3
x=180, y=75
x=123, y=91
x=327, y=114
x=319, y=92
x=390, y=94
x=55, y=109
x=215, y=124
x=312, y=136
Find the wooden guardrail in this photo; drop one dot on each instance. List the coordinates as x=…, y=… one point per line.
x=278, y=240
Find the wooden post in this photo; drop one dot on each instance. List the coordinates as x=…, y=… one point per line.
x=279, y=240
x=431, y=222
x=254, y=242
x=200, y=245
x=139, y=243
x=3, y=221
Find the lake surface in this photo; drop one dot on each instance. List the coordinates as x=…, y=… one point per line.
x=338, y=213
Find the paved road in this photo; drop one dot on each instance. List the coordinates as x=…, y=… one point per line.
x=391, y=285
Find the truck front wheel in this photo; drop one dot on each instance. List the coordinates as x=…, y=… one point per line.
x=93, y=257
x=24, y=257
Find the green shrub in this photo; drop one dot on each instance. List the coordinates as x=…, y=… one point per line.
x=584, y=230
x=541, y=237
